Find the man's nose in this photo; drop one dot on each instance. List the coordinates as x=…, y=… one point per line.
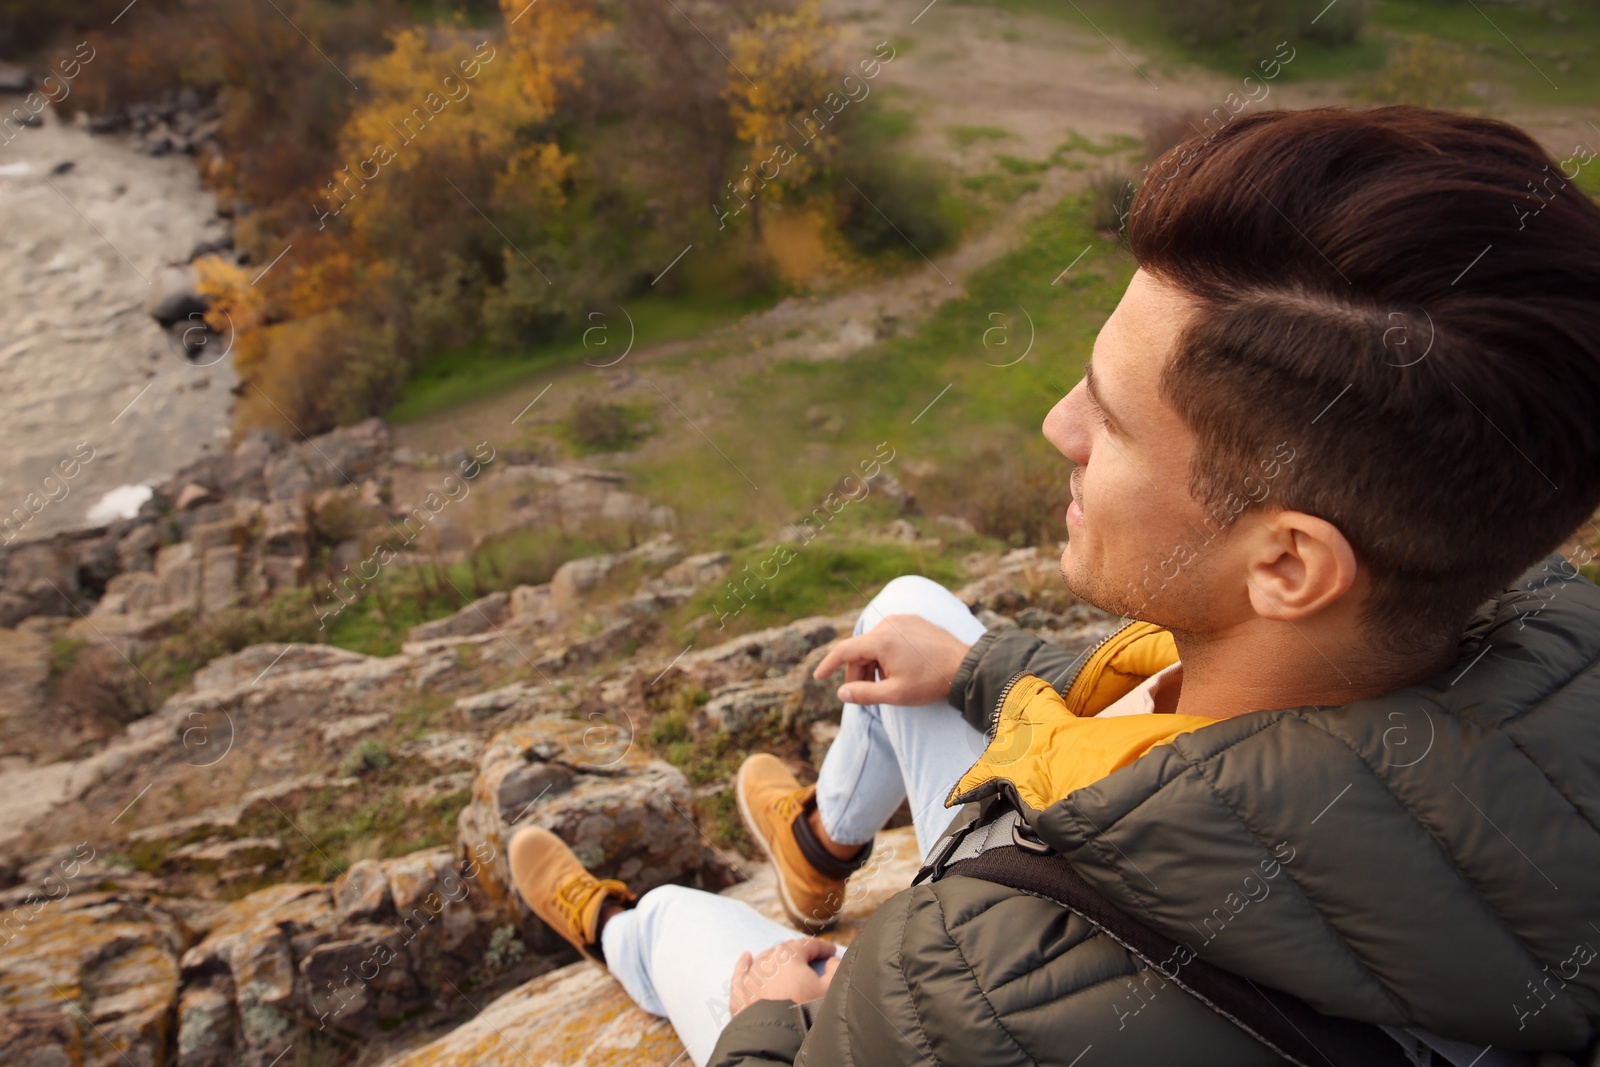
x=1066, y=428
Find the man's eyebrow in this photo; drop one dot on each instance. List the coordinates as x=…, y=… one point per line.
x=1099, y=401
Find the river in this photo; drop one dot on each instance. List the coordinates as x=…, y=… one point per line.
x=89, y=384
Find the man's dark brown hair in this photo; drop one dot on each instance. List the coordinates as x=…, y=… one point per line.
x=1409, y=297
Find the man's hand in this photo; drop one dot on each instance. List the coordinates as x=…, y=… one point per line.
x=783, y=972
x=915, y=659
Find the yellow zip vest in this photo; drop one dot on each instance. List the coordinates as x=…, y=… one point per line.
x=1047, y=745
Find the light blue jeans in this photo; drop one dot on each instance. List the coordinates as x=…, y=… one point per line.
x=674, y=953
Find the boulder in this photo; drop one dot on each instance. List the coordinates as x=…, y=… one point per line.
x=207, y=1024
x=209, y=535
x=219, y=579
x=286, y=531
x=625, y=815
x=348, y=454
x=653, y=603
x=281, y=573
x=691, y=572
x=180, y=302
x=362, y=892
x=613, y=638
x=794, y=701
x=368, y=950
x=245, y=474
x=576, y=1015
x=91, y=979
x=286, y=476
x=763, y=654
x=580, y=1015
x=217, y=856
x=353, y=726
x=252, y=944
x=738, y=708
x=41, y=579
x=192, y=496
x=178, y=577
x=97, y=562
x=531, y=601
x=137, y=549
x=483, y=615
x=526, y=698
x=574, y=579
x=246, y=666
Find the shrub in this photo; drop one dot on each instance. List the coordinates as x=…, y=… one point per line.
x=1019, y=497
x=875, y=182
x=1257, y=23
x=369, y=755
x=100, y=691
x=602, y=426
x=505, y=948
x=1423, y=70
x=1110, y=196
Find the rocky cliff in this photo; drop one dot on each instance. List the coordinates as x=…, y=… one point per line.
x=301, y=851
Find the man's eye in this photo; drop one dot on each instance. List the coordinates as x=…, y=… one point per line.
x=1100, y=415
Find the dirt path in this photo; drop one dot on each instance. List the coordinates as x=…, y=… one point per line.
x=1039, y=79
x=81, y=359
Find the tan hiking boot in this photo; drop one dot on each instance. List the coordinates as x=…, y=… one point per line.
x=558, y=889
x=774, y=806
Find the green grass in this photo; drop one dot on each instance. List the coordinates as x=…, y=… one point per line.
x=456, y=377
x=1142, y=24
x=827, y=575
x=1546, y=53
x=1015, y=165
x=347, y=826
x=967, y=136
x=403, y=596
x=1550, y=57
x=772, y=466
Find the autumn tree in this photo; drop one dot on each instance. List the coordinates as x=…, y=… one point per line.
x=783, y=75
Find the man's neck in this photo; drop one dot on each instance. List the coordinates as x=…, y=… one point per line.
x=1283, y=667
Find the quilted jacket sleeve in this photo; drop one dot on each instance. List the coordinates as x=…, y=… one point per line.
x=996, y=656
x=766, y=1033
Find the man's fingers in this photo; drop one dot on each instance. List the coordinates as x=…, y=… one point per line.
x=888, y=691
x=842, y=652
x=815, y=948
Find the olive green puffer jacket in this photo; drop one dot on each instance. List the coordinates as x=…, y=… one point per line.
x=1429, y=859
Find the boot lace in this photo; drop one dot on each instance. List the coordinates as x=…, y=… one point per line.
x=575, y=898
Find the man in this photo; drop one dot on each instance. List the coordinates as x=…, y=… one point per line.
x=1350, y=750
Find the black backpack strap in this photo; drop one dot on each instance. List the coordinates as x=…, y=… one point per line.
x=1285, y=1024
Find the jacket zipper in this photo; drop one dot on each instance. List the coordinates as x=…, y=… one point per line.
x=1083, y=661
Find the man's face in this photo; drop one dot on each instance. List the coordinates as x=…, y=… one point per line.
x=1131, y=507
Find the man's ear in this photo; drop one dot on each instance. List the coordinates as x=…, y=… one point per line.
x=1300, y=566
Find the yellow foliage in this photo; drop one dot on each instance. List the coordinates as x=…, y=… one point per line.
x=800, y=244
x=783, y=74
x=545, y=36
x=536, y=173
x=237, y=309
x=423, y=98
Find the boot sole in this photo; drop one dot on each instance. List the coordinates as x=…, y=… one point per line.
x=789, y=908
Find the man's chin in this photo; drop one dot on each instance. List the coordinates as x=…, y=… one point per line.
x=1093, y=588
